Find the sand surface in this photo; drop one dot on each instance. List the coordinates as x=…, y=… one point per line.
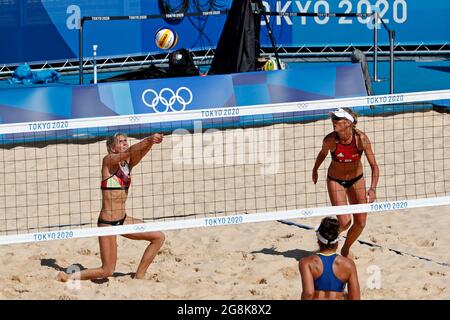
x=270, y=170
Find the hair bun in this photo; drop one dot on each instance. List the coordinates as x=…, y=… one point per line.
x=329, y=228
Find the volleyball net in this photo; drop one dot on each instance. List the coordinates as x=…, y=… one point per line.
x=218, y=166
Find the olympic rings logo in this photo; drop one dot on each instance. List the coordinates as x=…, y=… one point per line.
x=306, y=213
x=139, y=228
x=173, y=100
x=134, y=119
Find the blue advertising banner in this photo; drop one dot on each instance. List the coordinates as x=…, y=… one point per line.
x=46, y=108
x=48, y=30
x=180, y=94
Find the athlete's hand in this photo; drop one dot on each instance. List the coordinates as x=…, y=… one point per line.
x=157, y=138
x=315, y=176
x=371, y=195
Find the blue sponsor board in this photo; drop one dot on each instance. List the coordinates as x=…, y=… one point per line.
x=48, y=30
x=53, y=106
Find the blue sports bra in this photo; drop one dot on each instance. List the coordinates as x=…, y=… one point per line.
x=327, y=280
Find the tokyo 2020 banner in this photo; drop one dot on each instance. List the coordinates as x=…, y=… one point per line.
x=46, y=30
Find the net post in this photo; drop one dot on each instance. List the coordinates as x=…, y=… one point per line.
x=375, y=47
x=80, y=50
x=391, y=59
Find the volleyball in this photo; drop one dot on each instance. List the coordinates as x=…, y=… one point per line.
x=166, y=38
x=271, y=64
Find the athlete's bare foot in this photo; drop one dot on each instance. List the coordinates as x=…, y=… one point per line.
x=139, y=276
x=62, y=276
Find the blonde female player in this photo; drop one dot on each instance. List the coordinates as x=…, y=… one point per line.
x=116, y=179
x=345, y=174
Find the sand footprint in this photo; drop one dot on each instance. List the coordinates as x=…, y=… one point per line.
x=289, y=273
x=85, y=252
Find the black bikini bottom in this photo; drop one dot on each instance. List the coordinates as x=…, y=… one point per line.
x=346, y=183
x=112, y=223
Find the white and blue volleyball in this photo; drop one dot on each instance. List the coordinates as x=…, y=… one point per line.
x=166, y=38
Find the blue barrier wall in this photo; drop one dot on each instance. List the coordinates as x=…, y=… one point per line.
x=48, y=30
x=179, y=94
x=169, y=96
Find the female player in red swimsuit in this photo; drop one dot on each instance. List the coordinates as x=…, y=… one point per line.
x=116, y=179
x=345, y=174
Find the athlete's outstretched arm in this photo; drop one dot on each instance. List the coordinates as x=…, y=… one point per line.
x=135, y=153
x=140, y=149
x=115, y=158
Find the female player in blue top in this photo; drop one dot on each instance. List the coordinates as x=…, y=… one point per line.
x=324, y=275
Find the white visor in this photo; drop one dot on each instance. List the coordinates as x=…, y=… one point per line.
x=341, y=113
x=325, y=241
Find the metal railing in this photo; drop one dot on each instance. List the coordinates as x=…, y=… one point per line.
x=391, y=33
x=203, y=57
